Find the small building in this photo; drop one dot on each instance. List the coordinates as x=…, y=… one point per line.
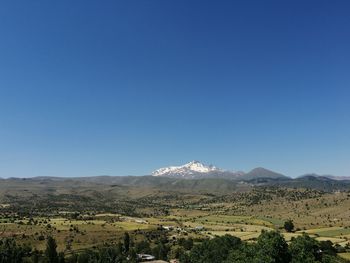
x=168, y=227
x=146, y=257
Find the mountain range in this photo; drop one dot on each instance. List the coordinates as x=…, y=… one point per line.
x=193, y=177
x=198, y=170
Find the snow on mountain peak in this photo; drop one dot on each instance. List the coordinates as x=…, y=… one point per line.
x=198, y=170
x=199, y=167
x=187, y=170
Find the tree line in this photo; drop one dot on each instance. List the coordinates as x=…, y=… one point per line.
x=270, y=247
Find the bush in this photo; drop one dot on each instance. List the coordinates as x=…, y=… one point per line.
x=289, y=226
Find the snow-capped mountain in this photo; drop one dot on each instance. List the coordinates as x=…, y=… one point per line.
x=197, y=170
x=194, y=169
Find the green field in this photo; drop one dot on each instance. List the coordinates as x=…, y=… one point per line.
x=86, y=217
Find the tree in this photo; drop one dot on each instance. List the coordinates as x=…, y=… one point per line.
x=272, y=247
x=143, y=247
x=126, y=242
x=186, y=243
x=35, y=256
x=120, y=248
x=73, y=258
x=133, y=256
x=214, y=250
x=244, y=253
x=61, y=258
x=51, y=252
x=176, y=252
x=11, y=252
x=304, y=249
x=83, y=258
x=288, y=225
x=161, y=251
x=328, y=248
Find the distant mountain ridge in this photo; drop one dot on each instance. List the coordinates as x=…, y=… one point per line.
x=198, y=170
x=195, y=170
x=193, y=177
x=327, y=176
x=261, y=172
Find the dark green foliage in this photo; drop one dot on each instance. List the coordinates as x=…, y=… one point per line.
x=126, y=242
x=272, y=247
x=242, y=254
x=328, y=248
x=305, y=249
x=179, y=252
x=133, y=256
x=214, y=250
x=51, y=252
x=120, y=248
x=11, y=253
x=110, y=255
x=84, y=258
x=72, y=259
x=35, y=257
x=61, y=258
x=289, y=226
x=161, y=251
x=269, y=248
x=187, y=244
x=143, y=247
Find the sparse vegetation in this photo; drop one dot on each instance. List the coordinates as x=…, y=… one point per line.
x=90, y=225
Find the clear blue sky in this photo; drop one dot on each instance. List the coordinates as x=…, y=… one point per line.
x=125, y=87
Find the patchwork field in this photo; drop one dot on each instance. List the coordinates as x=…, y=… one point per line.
x=75, y=234
x=80, y=218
